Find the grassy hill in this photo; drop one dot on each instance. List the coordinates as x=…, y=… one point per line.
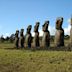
x=21, y=60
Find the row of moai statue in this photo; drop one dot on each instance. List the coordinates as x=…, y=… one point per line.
x=19, y=42
x=59, y=35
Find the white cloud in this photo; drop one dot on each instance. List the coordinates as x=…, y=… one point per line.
x=40, y=33
x=52, y=30
x=33, y=34
x=67, y=30
x=69, y=21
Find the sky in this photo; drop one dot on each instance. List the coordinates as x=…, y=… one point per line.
x=17, y=14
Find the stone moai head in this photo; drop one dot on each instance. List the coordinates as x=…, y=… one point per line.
x=21, y=32
x=21, y=40
x=71, y=23
x=59, y=23
x=17, y=33
x=29, y=28
x=45, y=26
x=36, y=26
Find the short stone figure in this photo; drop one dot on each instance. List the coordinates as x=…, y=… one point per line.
x=59, y=35
x=17, y=39
x=46, y=35
x=21, y=41
x=36, y=37
x=28, y=37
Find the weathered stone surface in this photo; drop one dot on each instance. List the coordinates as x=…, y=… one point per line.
x=28, y=38
x=46, y=35
x=36, y=37
x=21, y=41
x=17, y=39
x=59, y=35
x=71, y=35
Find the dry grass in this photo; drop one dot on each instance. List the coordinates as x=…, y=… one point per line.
x=13, y=60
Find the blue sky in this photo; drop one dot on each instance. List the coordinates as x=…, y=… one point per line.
x=17, y=14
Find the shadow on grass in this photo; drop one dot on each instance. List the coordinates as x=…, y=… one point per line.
x=43, y=49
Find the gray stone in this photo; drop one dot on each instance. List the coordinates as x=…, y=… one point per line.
x=36, y=37
x=21, y=41
x=28, y=38
x=17, y=39
x=59, y=35
x=71, y=33
x=46, y=35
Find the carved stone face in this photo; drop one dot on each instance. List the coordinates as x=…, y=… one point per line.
x=59, y=22
x=17, y=31
x=45, y=26
x=36, y=27
x=29, y=28
x=22, y=30
x=71, y=21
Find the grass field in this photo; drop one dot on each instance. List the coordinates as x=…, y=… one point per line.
x=13, y=60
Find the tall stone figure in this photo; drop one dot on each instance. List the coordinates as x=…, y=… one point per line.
x=28, y=38
x=17, y=39
x=22, y=38
x=46, y=35
x=71, y=33
x=36, y=37
x=59, y=35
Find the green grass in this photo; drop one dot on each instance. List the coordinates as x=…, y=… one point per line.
x=13, y=60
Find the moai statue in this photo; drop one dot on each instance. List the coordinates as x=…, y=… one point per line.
x=28, y=38
x=36, y=37
x=46, y=35
x=59, y=35
x=71, y=33
x=22, y=38
x=17, y=39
